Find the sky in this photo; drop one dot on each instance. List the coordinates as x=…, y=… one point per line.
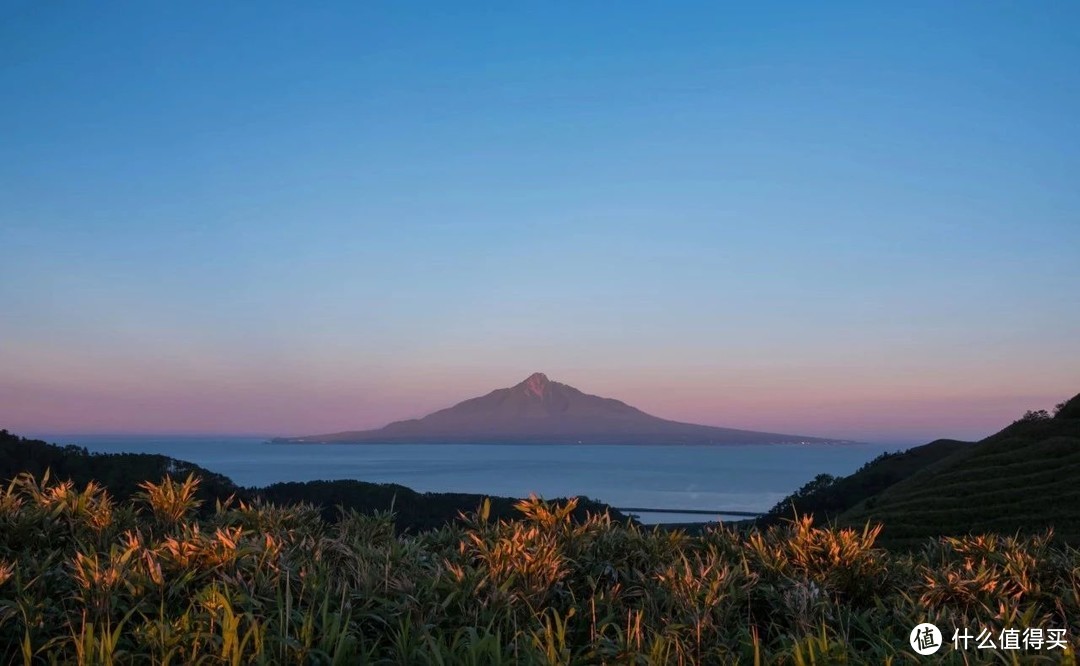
x=854, y=220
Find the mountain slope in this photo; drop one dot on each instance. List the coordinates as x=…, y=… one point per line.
x=1023, y=478
x=826, y=496
x=540, y=410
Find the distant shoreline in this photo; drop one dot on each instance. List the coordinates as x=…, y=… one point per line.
x=280, y=441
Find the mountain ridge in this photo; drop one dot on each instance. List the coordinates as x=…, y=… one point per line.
x=540, y=410
x=1018, y=480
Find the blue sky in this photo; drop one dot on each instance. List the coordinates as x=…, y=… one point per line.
x=856, y=219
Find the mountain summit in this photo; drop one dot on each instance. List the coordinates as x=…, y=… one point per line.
x=536, y=384
x=539, y=410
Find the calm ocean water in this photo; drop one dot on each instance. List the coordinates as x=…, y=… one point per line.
x=733, y=478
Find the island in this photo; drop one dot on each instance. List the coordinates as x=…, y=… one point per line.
x=539, y=410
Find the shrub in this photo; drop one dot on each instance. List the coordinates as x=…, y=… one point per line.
x=265, y=583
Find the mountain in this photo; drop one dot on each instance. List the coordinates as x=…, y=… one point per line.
x=542, y=411
x=1021, y=479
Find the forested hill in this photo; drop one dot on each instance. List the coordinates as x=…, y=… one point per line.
x=121, y=474
x=1022, y=479
x=827, y=496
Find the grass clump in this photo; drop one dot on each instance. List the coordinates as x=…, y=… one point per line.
x=88, y=580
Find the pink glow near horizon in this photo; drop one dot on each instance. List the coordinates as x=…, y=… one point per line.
x=223, y=405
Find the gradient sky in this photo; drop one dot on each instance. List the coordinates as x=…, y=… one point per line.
x=858, y=220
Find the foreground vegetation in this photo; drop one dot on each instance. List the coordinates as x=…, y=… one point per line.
x=89, y=580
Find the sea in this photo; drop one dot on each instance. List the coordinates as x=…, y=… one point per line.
x=750, y=478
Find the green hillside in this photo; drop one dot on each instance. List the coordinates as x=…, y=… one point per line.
x=826, y=497
x=1023, y=479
